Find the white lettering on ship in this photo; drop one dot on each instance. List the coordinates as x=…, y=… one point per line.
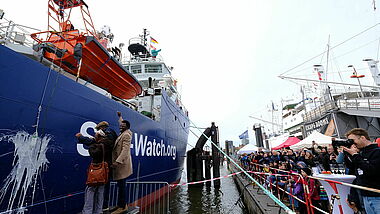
x=145, y=147
x=83, y=130
x=142, y=146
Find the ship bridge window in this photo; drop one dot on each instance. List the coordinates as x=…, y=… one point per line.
x=144, y=83
x=153, y=68
x=136, y=69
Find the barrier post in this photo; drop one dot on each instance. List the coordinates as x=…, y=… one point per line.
x=308, y=203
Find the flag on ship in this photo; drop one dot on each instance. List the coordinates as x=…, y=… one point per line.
x=153, y=40
x=244, y=135
x=273, y=108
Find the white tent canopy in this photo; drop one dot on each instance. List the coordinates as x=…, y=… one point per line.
x=320, y=139
x=249, y=148
x=275, y=141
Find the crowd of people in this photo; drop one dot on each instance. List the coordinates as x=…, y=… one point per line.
x=289, y=170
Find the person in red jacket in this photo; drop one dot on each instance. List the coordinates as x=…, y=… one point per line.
x=313, y=188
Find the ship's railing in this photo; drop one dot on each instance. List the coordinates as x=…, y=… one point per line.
x=347, y=90
x=15, y=33
x=130, y=60
x=135, y=40
x=365, y=104
x=147, y=197
x=319, y=111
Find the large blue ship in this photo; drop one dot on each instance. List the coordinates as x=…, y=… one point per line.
x=42, y=107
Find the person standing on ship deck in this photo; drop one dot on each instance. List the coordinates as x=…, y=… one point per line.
x=122, y=162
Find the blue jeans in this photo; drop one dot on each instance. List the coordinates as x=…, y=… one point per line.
x=93, y=200
x=371, y=205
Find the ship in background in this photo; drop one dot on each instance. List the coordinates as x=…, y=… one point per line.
x=65, y=82
x=332, y=99
x=334, y=107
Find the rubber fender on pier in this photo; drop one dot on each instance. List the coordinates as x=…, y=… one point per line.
x=202, y=139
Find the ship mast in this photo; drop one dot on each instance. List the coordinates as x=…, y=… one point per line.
x=326, y=89
x=327, y=60
x=144, y=37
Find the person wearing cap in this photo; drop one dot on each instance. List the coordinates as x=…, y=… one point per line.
x=122, y=163
x=94, y=194
x=108, y=147
x=365, y=157
x=109, y=138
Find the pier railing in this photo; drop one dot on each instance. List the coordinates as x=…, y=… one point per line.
x=279, y=182
x=146, y=197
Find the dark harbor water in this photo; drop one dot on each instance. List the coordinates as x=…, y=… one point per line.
x=202, y=199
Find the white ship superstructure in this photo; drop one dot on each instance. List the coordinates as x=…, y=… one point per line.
x=153, y=75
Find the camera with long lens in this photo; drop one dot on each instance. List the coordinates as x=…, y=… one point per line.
x=346, y=143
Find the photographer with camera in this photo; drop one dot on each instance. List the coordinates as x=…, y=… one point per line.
x=365, y=159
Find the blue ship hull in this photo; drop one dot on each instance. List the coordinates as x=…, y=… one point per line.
x=42, y=168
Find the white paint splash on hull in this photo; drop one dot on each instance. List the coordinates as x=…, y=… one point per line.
x=28, y=163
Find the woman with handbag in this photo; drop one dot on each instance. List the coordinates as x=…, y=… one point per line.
x=97, y=177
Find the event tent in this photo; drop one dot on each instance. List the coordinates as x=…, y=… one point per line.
x=275, y=141
x=289, y=142
x=320, y=139
x=249, y=148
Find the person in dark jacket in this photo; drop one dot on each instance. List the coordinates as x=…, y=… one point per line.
x=94, y=195
x=301, y=156
x=365, y=157
x=329, y=158
x=276, y=156
x=108, y=141
x=310, y=159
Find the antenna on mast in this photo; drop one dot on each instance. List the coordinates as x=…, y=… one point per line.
x=374, y=5
x=144, y=37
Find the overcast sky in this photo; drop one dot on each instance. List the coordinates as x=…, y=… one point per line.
x=227, y=54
